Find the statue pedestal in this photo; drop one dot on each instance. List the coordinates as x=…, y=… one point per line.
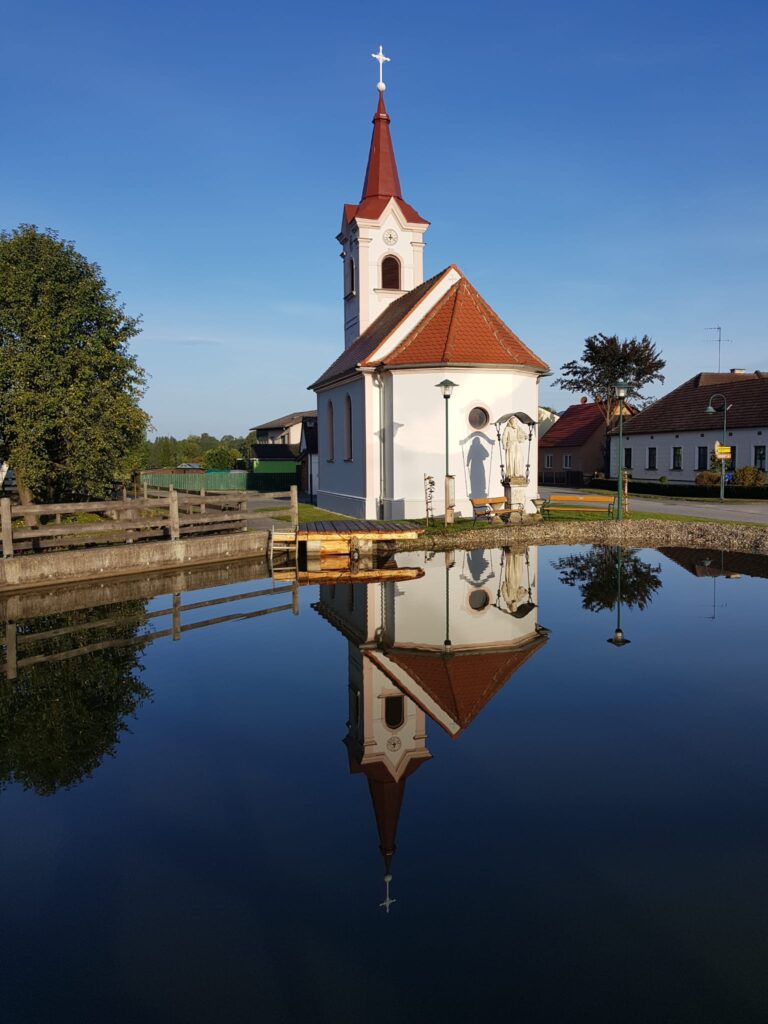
x=514, y=489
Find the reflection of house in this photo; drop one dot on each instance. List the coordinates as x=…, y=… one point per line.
x=284, y=430
x=575, y=446
x=438, y=647
x=675, y=436
x=705, y=563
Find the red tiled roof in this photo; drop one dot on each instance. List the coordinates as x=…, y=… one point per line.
x=461, y=329
x=362, y=347
x=685, y=407
x=463, y=683
x=575, y=427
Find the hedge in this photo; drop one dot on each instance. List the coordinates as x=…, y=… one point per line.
x=684, y=490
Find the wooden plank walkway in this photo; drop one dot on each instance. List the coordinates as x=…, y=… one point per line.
x=370, y=529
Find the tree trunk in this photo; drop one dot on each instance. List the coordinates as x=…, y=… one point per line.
x=25, y=498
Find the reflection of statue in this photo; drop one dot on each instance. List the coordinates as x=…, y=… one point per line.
x=512, y=589
x=60, y=718
x=596, y=573
x=514, y=437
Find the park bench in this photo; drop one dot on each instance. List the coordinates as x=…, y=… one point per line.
x=495, y=508
x=580, y=502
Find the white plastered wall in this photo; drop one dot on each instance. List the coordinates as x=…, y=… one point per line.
x=341, y=482
x=743, y=439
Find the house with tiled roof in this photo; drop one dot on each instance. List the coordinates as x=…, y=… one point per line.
x=675, y=437
x=383, y=423
x=575, y=446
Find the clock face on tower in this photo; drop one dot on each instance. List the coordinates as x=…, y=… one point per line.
x=390, y=237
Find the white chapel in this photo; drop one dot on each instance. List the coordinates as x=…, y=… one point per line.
x=384, y=421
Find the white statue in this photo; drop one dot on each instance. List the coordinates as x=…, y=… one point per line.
x=513, y=439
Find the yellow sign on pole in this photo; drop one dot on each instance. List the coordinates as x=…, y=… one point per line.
x=722, y=451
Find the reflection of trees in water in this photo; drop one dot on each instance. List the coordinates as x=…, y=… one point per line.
x=59, y=719
x=596, y=574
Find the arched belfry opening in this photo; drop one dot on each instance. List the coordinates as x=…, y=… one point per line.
x=390, y=273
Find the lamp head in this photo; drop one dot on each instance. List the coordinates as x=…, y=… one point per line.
x=709, y=410
x=446, y=387
x=621, y=389
x=618, y=639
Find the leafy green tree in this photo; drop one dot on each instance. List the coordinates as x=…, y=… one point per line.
x=605, y=361
x=70, y=421
x=596, y=574
x=221, y=457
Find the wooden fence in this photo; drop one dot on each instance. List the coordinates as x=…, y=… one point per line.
x=164, y=515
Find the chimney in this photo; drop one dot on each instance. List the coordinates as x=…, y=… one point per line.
x=737, y=369
x=584, y=400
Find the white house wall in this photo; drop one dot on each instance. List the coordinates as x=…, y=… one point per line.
x=415, y=427
x=341, y=482
x=744, y=440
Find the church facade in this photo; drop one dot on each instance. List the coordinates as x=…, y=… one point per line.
x=383, y=423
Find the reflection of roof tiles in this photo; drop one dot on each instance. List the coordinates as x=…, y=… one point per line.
x=463, y=683
x=684, y=408
x=721, y=563
x=575, y=427
x=460, y=329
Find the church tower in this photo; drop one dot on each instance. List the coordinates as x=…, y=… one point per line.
x=382, y=237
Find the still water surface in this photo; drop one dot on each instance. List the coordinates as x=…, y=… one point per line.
x=439, y=796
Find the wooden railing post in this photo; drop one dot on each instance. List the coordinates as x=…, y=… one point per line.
x=7, y=527
x=176, y=623
x=202, y=495
x=294, y=507
x=11, y=667
x=144, y=485
x=173, y=513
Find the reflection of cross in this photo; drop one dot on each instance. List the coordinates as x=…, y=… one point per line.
x=387, y=901
x=381, y=58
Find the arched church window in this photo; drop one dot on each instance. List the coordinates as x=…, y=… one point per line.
x=348, y=428
x=329, y=425
x=394, y=712
x=390, y=273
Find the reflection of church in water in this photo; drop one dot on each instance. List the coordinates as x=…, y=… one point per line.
x=440, y=646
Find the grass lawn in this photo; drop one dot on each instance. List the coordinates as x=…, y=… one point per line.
x=307, y=514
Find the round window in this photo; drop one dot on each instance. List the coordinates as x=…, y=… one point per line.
x=479, y=418
x=479, y=600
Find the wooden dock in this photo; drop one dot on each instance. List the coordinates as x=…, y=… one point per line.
x=340, y=537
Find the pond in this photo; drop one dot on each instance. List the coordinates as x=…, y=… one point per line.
x=480, y=785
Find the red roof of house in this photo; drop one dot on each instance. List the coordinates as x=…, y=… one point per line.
x=685, y=407
x=463, y=683
x=461, y=329
x=382, y=181
x=575, y=427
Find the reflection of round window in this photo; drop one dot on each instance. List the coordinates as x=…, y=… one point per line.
x=478, y=418
x=479, y=600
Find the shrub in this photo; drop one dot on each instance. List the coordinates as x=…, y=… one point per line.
x=663, y=481
x=707, y=479
x=748, y=476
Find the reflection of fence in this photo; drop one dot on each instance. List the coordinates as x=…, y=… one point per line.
x=15, y=641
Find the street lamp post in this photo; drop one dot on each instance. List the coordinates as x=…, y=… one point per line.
x=710, y=410
x=447, y=386
x=621, y=391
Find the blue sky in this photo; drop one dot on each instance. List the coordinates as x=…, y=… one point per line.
x=590, y=166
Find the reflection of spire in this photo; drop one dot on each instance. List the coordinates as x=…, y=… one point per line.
x=387, y=901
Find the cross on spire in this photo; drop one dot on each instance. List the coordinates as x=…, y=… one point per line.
x=381, y=59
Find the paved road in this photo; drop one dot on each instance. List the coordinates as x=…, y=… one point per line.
x=739, y=511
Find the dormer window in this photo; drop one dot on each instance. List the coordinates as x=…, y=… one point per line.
x=390, y=273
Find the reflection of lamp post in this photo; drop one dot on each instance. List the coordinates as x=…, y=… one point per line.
x=710, y=410
x=618, y=639
x=621, y=391
x=447, y=386
x=450, y=561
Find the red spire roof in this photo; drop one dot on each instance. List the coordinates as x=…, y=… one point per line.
x=381, y=177
x=382, y=181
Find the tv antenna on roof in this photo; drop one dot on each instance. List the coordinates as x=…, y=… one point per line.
x=720, y=340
